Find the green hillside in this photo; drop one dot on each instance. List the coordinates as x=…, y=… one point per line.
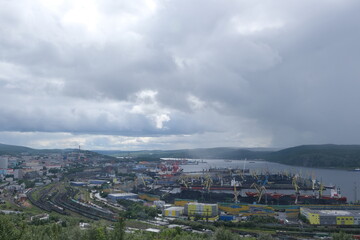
x=15, y=150
x=326, y=156
x=11, y=149
x=209, y=153
x=329, y=155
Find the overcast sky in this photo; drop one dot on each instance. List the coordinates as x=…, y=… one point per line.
x=161, y=74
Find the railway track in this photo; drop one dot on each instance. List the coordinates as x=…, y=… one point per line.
x=59, y=202
x=45, y=203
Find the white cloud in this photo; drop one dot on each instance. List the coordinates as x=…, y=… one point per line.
x=195, y=102
x=166, y=74
x=83, y=12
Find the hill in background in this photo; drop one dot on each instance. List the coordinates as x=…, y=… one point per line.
x=326, y=156
x=200, y=153
x=14, y=150
x=11, y=149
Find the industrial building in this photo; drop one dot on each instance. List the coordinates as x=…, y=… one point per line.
x=331, y=216
x=174, y=212
x=78, y=184
x=117, y=196
x=97, y=182
x=203, y=210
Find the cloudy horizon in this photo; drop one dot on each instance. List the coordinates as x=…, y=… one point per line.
x=159, y=74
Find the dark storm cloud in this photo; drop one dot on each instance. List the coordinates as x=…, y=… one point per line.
x=314, y=89
x=253, y=73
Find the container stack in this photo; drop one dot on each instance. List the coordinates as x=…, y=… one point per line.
x=183, y=202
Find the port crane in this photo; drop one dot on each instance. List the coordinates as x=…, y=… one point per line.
x=207, y=183
x=236, y=193
x=260, y=189
x=321, y=189
x=297, y=188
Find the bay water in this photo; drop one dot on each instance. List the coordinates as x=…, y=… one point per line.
x=347, y=181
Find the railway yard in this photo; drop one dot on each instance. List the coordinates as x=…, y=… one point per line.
x=60, y=199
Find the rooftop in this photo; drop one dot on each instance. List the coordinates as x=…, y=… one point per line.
x=334, y=212
x=203, y=204
x=175, y=208
x=122, y=194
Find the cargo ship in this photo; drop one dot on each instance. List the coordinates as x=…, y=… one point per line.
x=252, y=197
x=211, y=188
x=229, y=187
x=225, y=180
x=335, y=198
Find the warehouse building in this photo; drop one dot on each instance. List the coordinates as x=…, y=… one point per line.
x=174, y=212
x=97, y=182
x=117, y=196
x=331, y=216
x=78, y=184
x=202, y=210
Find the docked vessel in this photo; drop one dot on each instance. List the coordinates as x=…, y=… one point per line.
x=290, y=199
x=225, y=179
x=251, y=198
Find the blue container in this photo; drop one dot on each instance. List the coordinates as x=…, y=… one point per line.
x=227, y=218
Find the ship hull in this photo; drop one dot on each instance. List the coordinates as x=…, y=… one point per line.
x=291, y=199
x=250, y=198
x=243, y=186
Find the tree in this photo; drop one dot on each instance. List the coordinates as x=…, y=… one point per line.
x=29, y=184
x=223, y=234
x=265, y=237
x=341, y=236
x=8, y=230
x=119, y=230
x=54, y=170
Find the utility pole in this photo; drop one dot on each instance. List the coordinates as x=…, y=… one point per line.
x=355, y=191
